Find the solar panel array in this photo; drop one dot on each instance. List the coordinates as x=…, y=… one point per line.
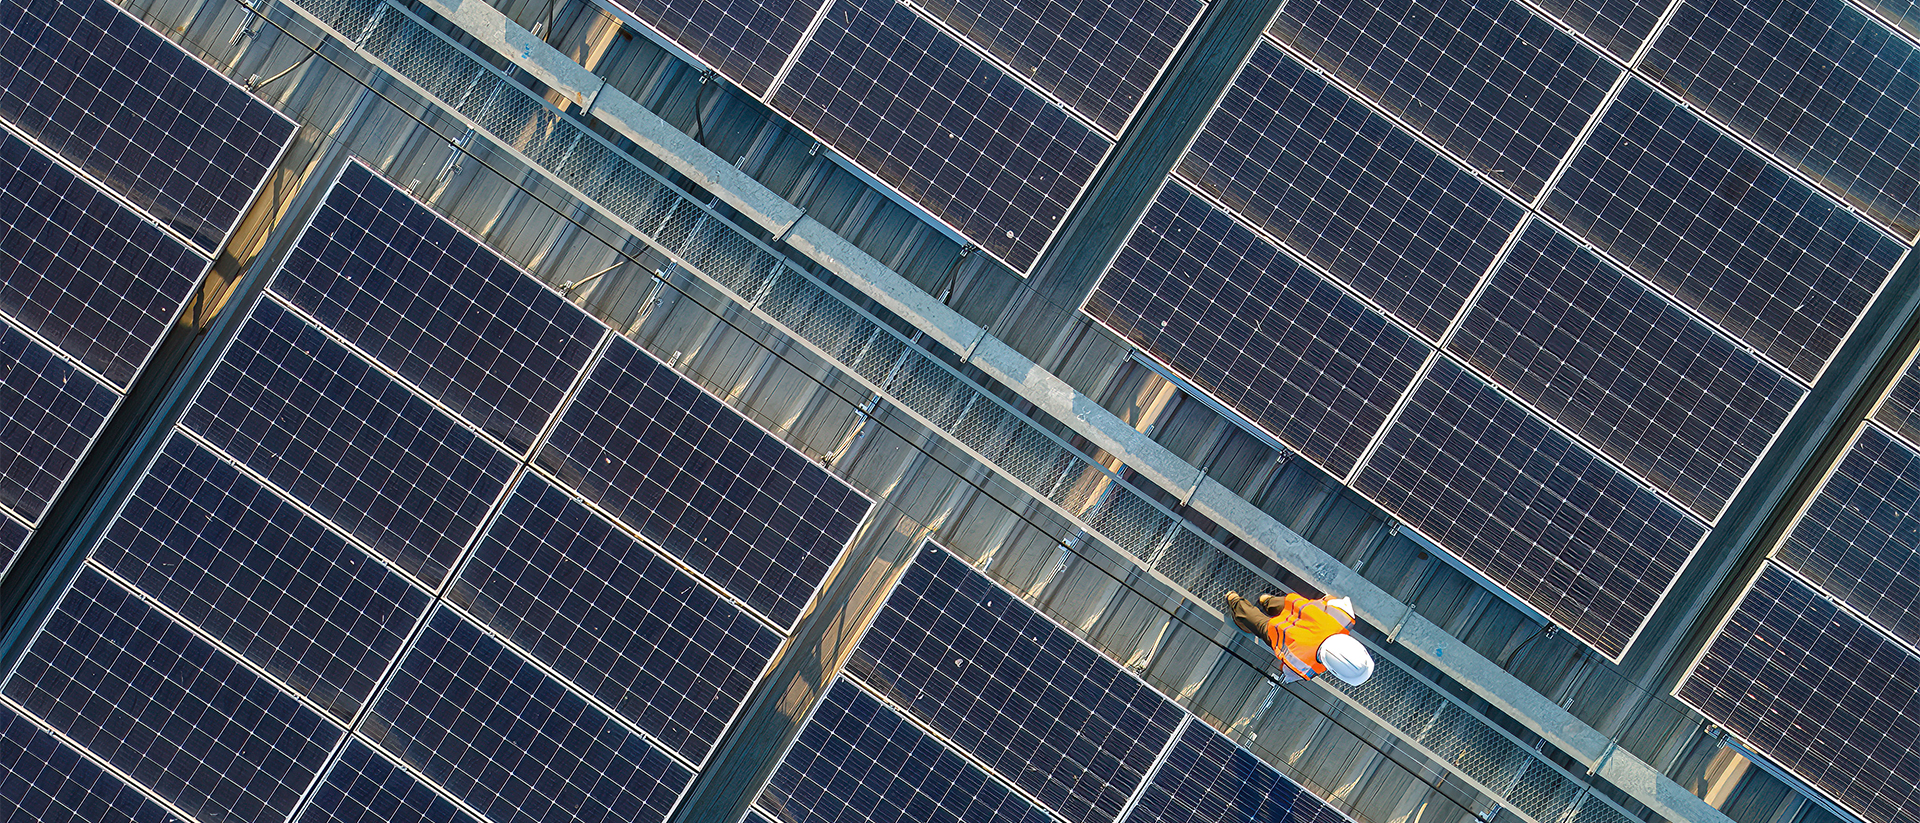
x=1819, y=83
x=339, y=580
x=1808, y=683
x=93, y=268
x=992, y=116
x=1466, y=260
x=115, y=98
x=963, y=702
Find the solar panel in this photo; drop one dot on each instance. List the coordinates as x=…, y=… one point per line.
x=136, y=112
x=1100, y=59
x=1818, y=691
x=364, y=787
x=1680, y=405
x=1295, y=156
x=1494, y=83
x=621, y=622
x=13, y=538
x=1207, y=779
x=856, y=761
x=1860, y=537
x=951, y=131
x=176, y=714
x=82, y=271
x=1718, y=228
x=274, y=585
x=1237, y=316
x=699, y=480
x=1819, y=83
x=1006, y=684
x=1533, y=511
x=1619, y=26
x=511, y=742
x=47, y=782
x=446, y=313
x=746, y=40
x=50, y=412
x=356, y=445
x=1904, y=13
x=1900, y=411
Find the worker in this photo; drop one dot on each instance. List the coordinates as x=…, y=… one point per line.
x=1309, y=636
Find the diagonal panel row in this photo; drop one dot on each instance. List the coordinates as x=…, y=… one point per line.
x=344, y=557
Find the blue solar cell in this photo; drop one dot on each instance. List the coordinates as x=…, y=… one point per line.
x=471, y=715
x=1207, y=779
x=1818, y=691
x=1860, y=537
x=13, y=538
x=356, y=445
x=1532, y=510
x=365, y=787
x=44, y=781
x=1100, y=59
x=167, y=708
x=83, y=271
x=953, y=132
x=50, y=412
x=1295, y=156
x=1265, y=334
x=1014, y=689
x=858, y=762
x=746, y=40
x=1819, y=83
x=444, y=312
x=1900, y=411
x=621, y=622
x=696, y=478
x=1680, y=405
x=1493, y=82
x=252, y=570
x=754, y=816
x=1719, y=228
x=136, y=112
x=1619, y=26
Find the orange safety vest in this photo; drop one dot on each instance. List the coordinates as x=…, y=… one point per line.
x=1302, y=625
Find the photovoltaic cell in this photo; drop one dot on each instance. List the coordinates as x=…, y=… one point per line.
x=950, y=130
x=364, y=787
x=1674, y=401
x=46, y=782
x=1533, y=511
x=249, y=568
x=351, y=442
x=621, y=622
x=137, y=113
x=1819, y=83
x=746, y=40
x=1860, y=537
x=1720, y=229
x=1268, y=336
x=1900, y=411
x=1347, y=189
x=754, y=816
x=167, y=708
x=1619, y=26
x=697, y=479
x=1494, y=83
x=1818, y=691
x=50, y=413
x=858, y=762
x=1006, y=684
x=471, y=715
x=441, y=310
x=83, y=271
x=1101, y=59
x=1208, y=779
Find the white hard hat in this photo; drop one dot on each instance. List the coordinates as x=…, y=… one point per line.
x=1346, y=658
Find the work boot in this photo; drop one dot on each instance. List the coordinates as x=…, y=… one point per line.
x=1232, y=596
x=1270, y=604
